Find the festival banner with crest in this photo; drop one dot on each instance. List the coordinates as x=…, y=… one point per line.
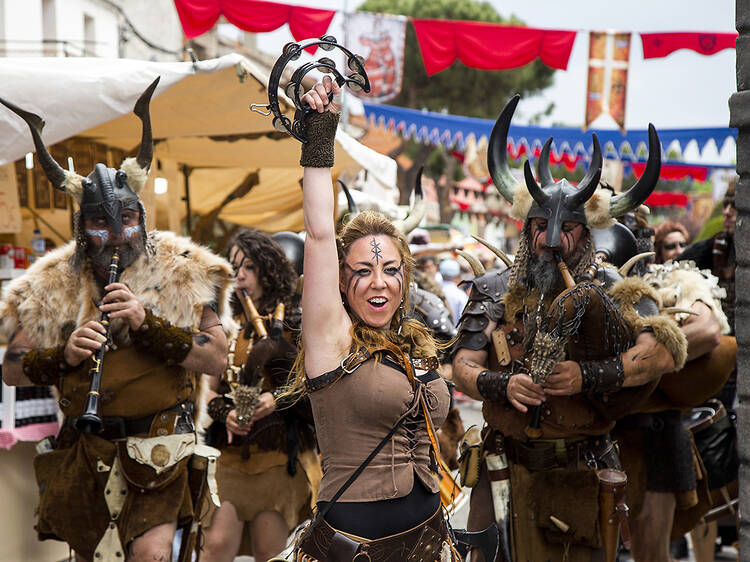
x=609, y=54
x=380, y=39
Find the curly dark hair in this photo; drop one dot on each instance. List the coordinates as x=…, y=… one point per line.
x=276, y=275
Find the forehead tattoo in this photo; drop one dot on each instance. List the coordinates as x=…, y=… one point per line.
x=377, y=253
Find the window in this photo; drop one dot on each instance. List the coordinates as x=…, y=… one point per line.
x=49, y=28
x=89, y=36
x=2, y=28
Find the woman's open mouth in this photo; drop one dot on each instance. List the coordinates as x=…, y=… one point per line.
x=378, y=302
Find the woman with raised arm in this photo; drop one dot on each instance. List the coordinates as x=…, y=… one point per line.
x=370, y=374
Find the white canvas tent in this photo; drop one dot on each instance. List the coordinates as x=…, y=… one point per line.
x=201, y=118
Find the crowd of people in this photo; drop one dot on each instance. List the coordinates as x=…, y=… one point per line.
x=237, y=399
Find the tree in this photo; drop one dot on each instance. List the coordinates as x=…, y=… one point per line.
x=460, y=90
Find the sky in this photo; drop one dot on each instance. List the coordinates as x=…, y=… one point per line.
x=683, y=90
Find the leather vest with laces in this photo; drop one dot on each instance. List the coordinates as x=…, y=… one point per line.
x=355, y=407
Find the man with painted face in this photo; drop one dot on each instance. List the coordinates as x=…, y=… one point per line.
x=118, y=488
x=555, y=362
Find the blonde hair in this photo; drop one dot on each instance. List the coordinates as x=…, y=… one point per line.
x=409, y=335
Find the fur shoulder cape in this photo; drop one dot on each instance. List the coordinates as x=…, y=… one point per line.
x=176, y=280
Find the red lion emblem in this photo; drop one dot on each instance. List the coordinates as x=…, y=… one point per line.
x=380, y=64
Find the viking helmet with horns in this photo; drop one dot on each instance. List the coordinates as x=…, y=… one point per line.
x=560, y=201
x=105, y=190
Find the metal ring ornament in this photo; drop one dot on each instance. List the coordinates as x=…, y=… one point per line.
x=356, y=80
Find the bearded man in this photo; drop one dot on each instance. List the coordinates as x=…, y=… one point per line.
x=118, y=488
x=549, y=413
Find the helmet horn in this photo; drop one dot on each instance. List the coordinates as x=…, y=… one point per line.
x=542, y=166
x=476, y=265
x=350, y=204
x=54, y=172
x=417, y=211
x=633, y=197
x=536, y=192
x=497, y=251
x=590, y=181
x=141, y=109
x=497, y=157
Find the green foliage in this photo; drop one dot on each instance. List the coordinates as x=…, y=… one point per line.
x=714, y=225
x=460, y=90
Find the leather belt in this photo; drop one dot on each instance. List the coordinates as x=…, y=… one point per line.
x=114, y=427
x=549, y=454
x=421, y=543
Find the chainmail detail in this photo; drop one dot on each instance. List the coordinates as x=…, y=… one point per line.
x=615, y=338
x=493, y=386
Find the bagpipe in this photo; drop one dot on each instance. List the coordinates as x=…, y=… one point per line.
x=246, y=388
x=584, y=321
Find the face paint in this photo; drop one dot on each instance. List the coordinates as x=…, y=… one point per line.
x=131, y=231
x=103, y=235
x=376, y=251
x=398, y=273
x=355, y=276
x=372, y=279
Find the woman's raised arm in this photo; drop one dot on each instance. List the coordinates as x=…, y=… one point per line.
x=325, y=323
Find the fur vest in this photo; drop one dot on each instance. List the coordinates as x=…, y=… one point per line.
x=175, y=278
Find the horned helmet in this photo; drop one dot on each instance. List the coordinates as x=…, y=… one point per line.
x=415, y=215
x=105, y=190
x=560, y=201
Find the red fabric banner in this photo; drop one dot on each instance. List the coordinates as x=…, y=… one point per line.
x=674, y=171
x=656, y=45
x=489, y=46
x=198, y=16
x=570, y=161
x=667, y=199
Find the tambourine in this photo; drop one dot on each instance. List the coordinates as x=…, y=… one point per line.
x=357, y=80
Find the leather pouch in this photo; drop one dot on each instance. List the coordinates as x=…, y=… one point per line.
x=427, y=548
x=157, y=469
x=567, y=506
x=342, y=548
x=470, y=460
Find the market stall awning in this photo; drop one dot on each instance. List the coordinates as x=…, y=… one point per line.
x=200, y=118
x=453, y=131
x=94, y=97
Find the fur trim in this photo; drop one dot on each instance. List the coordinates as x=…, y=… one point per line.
x=137, y=176
x=73, y=186
x=597, y=210
x=682, y=284
x=516, y=298
x=669, y=334
x=176, y=283
x=626, y=294
x=522, y=201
